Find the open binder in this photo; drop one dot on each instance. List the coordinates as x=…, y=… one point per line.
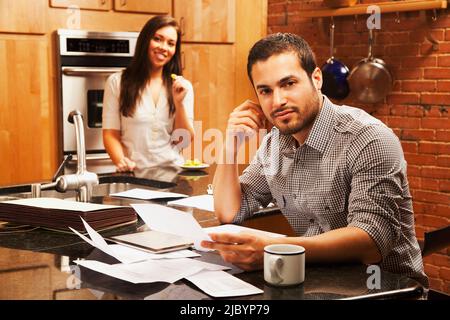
x=61, y=214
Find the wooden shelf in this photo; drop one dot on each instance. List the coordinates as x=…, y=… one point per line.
x=386, y=7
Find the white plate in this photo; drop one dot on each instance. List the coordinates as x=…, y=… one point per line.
x=199, y=167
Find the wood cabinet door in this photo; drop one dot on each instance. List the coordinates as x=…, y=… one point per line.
x=28, y=137
x=23, y=16
x=144, y=6
x=102, y=5
x=210, y=68
x=206, y=20
x=26, y=284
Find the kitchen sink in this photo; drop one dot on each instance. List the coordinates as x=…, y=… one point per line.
x=107, y=185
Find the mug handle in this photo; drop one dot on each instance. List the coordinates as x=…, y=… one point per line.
x=275, y=266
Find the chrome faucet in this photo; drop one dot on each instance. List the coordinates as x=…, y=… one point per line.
x=83, y=181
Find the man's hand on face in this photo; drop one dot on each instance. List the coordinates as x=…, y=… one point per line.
x=244, y=122
x=245, y=250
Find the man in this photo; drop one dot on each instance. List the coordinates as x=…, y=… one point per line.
x=337, y=173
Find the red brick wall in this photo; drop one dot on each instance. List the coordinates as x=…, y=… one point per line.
x=417, y=109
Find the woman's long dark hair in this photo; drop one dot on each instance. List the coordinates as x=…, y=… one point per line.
x=136, y=75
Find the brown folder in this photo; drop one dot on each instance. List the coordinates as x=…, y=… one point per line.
x=61, y=214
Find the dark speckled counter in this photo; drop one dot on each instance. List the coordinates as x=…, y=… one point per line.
x=51, y=253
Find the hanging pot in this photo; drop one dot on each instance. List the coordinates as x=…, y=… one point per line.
x=370, y=81
x=335, y=73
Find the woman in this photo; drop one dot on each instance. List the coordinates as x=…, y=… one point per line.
x=147, y=102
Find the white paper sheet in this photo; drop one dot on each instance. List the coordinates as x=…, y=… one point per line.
x=141, y=272
x=60, y=204
x=203, y=202
x=152, y=270
x=145, y=194
x=126, y=254
x=164, y=219
x=222, y=284
x=136, y=255
x=233, y=228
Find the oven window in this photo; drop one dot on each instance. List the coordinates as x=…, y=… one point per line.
x=95, y=108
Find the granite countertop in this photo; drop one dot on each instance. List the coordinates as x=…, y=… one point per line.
x=25, y=250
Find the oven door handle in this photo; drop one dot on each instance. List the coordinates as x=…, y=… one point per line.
x=70, y=71
x=91, y=157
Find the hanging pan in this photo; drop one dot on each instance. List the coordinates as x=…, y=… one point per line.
x=370, y=81
x=335, y=73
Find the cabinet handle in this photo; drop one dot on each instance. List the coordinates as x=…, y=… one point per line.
x=182, y=26
x=102, y=2
x=123, y=3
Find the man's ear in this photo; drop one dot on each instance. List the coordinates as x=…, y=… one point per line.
x=317, y=79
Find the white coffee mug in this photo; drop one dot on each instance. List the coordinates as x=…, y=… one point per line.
x=284, y=264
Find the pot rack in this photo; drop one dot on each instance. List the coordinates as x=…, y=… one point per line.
x=385, y=7
x=394, y=6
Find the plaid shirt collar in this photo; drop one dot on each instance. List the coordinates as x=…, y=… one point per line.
x=319, y=135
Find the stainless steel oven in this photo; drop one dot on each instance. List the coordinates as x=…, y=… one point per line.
x=85, y=60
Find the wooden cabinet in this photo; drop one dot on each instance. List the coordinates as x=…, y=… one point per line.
x=144, y=6
x=23, y=16
x=102, y=5
x=27, y=133
x=210, y=68
x=206, y=20
x=36, y=278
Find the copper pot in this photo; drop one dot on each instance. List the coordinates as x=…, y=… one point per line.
x=370, y=80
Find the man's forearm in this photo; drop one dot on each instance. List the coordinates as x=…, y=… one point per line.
x=349, y=244
x=227, y=192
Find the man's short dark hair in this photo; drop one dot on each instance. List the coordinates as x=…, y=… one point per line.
x=278, y=43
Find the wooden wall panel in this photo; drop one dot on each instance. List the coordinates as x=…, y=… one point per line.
x=208, y=68
x=35, y=284
x=23, y=16
x=25, y=123
x=207, y=20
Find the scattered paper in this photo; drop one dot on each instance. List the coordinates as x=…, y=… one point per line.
x=152, y=270
x=233, y=228
x=145, y=194
x=203, y=202
x=222, y=284
x=126, y=254
x=137, y=255
x=141, y=272
x=164, y=219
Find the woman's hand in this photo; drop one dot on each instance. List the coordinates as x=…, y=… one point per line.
x=245, y=250
x=125, y=165
x=180, y=88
